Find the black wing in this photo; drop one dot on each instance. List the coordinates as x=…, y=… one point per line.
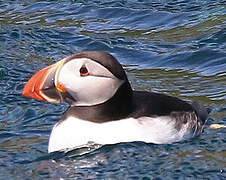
x=156, y=104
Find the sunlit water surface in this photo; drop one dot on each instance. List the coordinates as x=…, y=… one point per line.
x=175, y=47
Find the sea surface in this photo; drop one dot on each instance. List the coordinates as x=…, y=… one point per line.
x=176, y=47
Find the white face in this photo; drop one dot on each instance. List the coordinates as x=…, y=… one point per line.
x=88, y=82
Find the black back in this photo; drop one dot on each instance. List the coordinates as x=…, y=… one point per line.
x=156, y=104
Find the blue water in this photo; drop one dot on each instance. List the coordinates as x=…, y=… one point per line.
x=176, y=47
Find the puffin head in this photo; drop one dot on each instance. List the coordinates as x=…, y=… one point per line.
x=84, y=79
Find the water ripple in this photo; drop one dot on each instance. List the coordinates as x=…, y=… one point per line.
x=174, y=47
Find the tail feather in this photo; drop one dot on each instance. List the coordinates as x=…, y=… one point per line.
x=201, y=111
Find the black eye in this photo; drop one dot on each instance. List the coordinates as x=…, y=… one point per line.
x=84, y=71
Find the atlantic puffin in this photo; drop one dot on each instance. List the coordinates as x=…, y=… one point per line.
x=104, y=109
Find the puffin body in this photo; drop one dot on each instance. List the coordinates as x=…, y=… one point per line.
x=105, y=110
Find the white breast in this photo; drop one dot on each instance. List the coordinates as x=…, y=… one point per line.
x=75, y=132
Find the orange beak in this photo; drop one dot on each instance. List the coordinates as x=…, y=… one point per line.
x=33, y=87
x=44, y=85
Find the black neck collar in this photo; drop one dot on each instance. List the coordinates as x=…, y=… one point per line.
x=119, y=106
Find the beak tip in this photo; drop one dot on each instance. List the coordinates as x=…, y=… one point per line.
x=32, y=88
x=26, y=91
x=29, y=93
